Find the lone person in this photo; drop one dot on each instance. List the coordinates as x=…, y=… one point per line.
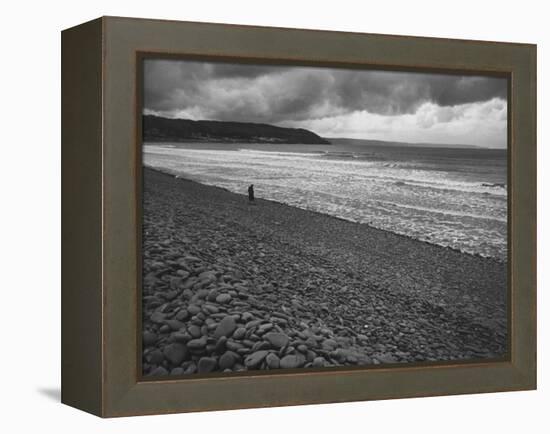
x=251, y=193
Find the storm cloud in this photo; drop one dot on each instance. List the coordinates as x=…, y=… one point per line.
x=326, y=98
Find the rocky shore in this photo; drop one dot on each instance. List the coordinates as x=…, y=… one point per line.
x=229, y=286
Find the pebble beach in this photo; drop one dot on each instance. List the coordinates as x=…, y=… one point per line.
x=230, y=286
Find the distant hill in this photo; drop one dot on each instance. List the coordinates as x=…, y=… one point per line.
x=365, y=142
x=157, y=128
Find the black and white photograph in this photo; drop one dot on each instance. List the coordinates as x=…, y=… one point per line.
x=312, y=217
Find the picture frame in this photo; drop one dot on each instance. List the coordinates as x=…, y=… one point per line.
x=101, y=219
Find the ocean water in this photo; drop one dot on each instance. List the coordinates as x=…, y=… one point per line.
x=451, y=197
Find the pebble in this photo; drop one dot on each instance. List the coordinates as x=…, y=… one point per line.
x=254, y=359
x=182, y=315
x=159, y=371
x=264, y=328
x=292, y=361
x=157, y=317
x=277, y=340
x=385, y=358
x=261, y=345
x=194, y=331
x=177, y=371
x=221, y=345
x=223, y=298
x=226, y=327
x=183, y=274
x=302, y=348
x=181, y=337
x=228, y=359
x=174, y=324
x=273, y=362
x=239, y=333
x=206, y=364
x=149, y=338
x=191, y=369
x=175, y=353
x=318, y=362
x=193, y=309
x=207, y=275
x=247, y=316
x=234, y=346
x=197, y=344
x=329, y=344
x=155, y=357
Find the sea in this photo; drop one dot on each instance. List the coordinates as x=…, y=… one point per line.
x=453, y=197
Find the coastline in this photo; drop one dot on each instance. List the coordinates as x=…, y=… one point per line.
x=335, y=292
x=397, y=234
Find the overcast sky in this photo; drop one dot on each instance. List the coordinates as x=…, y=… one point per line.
x=382, y=105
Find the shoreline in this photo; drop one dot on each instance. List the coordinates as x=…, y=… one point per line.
x=409, y=237
x=229, y=286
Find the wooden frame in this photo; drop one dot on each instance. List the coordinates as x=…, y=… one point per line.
x=100, y=190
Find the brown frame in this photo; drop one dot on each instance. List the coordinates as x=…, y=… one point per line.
x=101, y=215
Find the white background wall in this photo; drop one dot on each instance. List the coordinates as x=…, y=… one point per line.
x=30, y=214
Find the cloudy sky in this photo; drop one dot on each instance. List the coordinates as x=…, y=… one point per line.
x=382, y=105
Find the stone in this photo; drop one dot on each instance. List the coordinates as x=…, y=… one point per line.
x=155, y=357
x=261, y=345
x=206, y=364
x=277, y=340
x=191, y=369
x=252, y=324
x=197, y=344
x=174, y=324
x=149, y=338
x=182, y=315
x=239, y=333
x=175, y=353
x=181, y=337
x=212, y=294
x=207, y=275
x=220, y=345
x=311, y=342
x=264, y=328
x=226, y=327
x=175, y=282
x=202, y=294
x=254, y=359
x=228, y=359
x=158, y=372
x=319, y=362
x=209, y=308
x=273, y=361
x=234, y=346
x=329, y=344
x=340, y=354
x=170, y=295
x=385, y=358
x=158, y=317
x=302, y=348
x=223, y=298
x=193, y=309
x=183, y=274
x=190, y=258
x=292, y=361
x=247, y=316
x=194, y=331
x=177, y=371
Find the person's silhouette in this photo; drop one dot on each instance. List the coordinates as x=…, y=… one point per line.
x=251, y=193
